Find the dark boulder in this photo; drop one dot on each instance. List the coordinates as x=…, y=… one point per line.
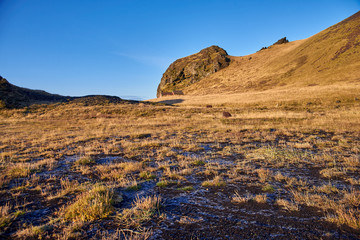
x=226, y=114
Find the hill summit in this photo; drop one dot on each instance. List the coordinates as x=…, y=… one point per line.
x=191, y=69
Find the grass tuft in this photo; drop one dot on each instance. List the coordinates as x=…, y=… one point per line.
x=85, y=161
x=142, y=210
x=216, y=182
x=90, y=206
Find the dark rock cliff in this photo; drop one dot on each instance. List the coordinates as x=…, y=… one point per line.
x=188, y=70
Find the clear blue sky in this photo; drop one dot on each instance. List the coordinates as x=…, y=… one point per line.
x=122, y=48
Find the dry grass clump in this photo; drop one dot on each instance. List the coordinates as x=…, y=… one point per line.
x=186, y=188
x=332, y=172
x=92, y=205
x=5, y=216
x=352, y=161
x=117, y=171
x=127, y=234
x=264, y=174
x=186, y=171
x=173, y=174
x=240, y=199
x=147, y=175
x=260, y=198
x=312, y=200
x=349, y=217
x=287, y=205
x=328, y=189
x=193, y=148
x=353, y=181
x=130, y=184
x=280, y=157
x=268, y=188
x=33, y=232
x=165, y=183
x=85, y=161
x=216, y=182
x=142, y=210
x=19, y=170
x=352, y=198
x=280, y=177
x=68, y=187
x=198, y=162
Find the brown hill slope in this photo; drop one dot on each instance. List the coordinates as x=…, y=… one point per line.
x=329, y=57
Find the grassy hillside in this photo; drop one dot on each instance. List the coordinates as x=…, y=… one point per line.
x=329, y=57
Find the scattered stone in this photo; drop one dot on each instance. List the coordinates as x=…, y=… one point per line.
x=226, y=114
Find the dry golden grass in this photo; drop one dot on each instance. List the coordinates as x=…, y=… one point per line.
x=264, y=174
x=240, y=199
x=285, y=204
x=347, y=217
x=260, y=198
x=4, y=215
x=255, y=148
x=127, y=234
x=33, y=232
x=141, y=211
x=216, y=182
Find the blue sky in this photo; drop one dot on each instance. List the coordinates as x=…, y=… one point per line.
x=122, y=48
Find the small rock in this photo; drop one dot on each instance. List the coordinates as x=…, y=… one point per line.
x=226, y=114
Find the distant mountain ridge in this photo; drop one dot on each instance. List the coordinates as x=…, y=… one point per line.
x=330, y=57
x=12, y=96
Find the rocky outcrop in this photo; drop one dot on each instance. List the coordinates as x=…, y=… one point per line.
x=281, y=41
x=188, y=70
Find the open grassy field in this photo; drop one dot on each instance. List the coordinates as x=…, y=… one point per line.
x=274, y=169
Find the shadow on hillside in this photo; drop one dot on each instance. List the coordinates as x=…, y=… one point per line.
x=171, y=101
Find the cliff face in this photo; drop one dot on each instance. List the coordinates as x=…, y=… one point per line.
x=191, y=69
